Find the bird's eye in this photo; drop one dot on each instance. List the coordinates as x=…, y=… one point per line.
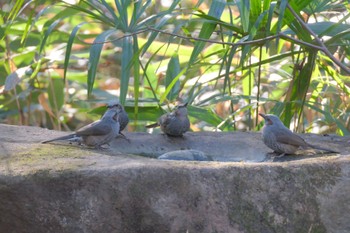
x=269, y=122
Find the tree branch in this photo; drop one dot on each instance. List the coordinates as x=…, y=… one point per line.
x=322, y=46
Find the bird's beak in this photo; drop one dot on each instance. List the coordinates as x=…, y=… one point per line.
x=262, y=115
x=185, y=105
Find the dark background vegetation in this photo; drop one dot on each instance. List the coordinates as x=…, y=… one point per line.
x=61, y=61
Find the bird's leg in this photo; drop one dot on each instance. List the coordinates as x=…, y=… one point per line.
x=100, y=147
x=123, y=136
x=77, y=140
x=280, y=155
x=276, y=154
x=272, y=153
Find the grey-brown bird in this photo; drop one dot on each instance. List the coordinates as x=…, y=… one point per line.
x=122, y=114
x=175, y=123
x=281, y=139
x=97, y=133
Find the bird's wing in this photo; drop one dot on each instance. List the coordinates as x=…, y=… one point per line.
x=99, y=127
x=166, y=118
x=288, y=137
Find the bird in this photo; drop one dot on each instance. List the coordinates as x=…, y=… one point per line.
x=97, y=133
x=122, y=115
x=175, y=123
x=282, y=140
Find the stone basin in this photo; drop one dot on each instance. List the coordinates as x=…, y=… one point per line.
x=69, y=188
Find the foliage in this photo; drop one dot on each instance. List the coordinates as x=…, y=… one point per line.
x=229, y=60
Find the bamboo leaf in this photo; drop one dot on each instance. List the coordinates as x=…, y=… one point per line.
x=69, y=48
x=95, y=52
x=126, y=64
x=206, y=115
x=207, y=30
x=47, y=33
x=136, y=77
x=171, y=85
x=171, y=73
x=56, y=93
x=244, y=12
x=299, y=89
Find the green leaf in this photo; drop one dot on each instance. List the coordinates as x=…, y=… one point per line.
x=15, y=9
x=244, y=12
x=56, y=93
x=213, y=20
x=206, y=115
x=145, y=113
x=330, y=118
x=255, y=10
x=69, y=47
x=47, y=33
x=127, y=55
x=171, y=73
x=247, y=82
x=95, y=52
x=86, y=6
x=216, y=9
x=112, y=12
x=29, y=23
x=149, y=20
x=136, y=77
x=53, y=22
x=323, y=28
x=151, y=82
x=171, y=85
x=154, y=34
x=281, y=11
x=299, y=88
x=122, y=7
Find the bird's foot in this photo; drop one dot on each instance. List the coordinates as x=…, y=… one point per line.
x=279, y=155
x=271, y=156
x=124, y=137
x=100, y=147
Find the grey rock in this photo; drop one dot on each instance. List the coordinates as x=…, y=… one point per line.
x=229, y=146
x=189, y=155
x=47, y=188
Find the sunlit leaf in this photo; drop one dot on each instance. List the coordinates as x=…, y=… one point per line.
x=145, y=113
x=55, y=92
x=69, y=47
x=216, y=9
x=94, y=58
x=127, y=55
x=171, y=85
x=47, y=33
x=171, y=73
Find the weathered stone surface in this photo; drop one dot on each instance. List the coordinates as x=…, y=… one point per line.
x=67, y=188
x=189, y=155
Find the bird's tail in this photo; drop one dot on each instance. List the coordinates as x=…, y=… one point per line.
x=324, y=149
x=70, y=137
x=152, y=125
